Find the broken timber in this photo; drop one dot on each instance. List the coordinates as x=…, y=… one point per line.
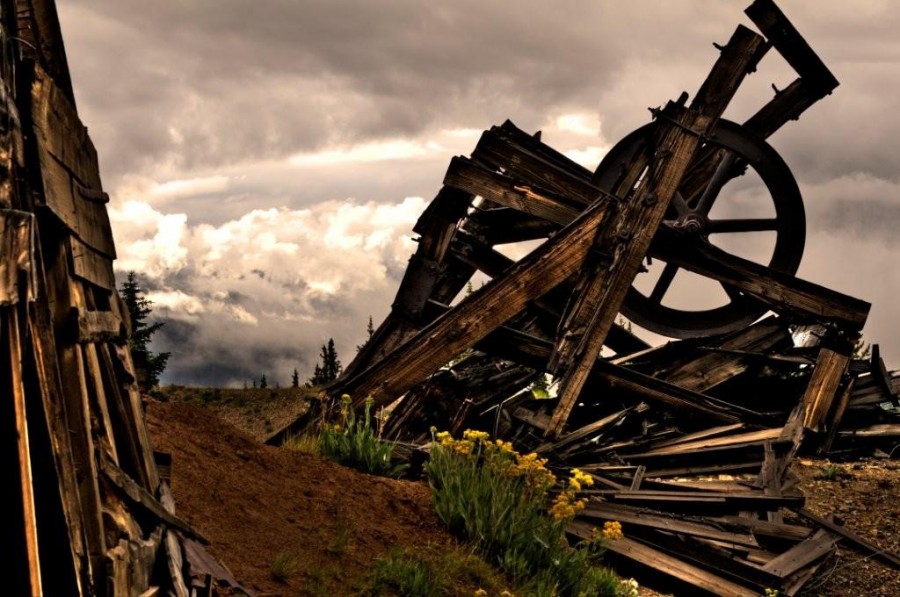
x=735, y=396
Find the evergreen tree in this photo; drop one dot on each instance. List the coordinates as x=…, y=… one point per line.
x=330, y=367
x=370, y=331
x=262, y=382
x=148, y=366
x=295, y=379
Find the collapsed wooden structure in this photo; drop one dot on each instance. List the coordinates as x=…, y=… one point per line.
x=92, y=511
x=737, y=394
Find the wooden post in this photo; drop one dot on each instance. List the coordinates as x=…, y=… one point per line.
x=603, y=286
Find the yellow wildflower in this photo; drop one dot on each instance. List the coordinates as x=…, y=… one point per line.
x=345, y=399
x=475, y=436
x=612, y=530
x=480, y=593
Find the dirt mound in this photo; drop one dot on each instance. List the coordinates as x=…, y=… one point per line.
x=261, y=506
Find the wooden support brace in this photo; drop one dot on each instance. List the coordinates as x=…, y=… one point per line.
x=603, y=286
x=480, y=313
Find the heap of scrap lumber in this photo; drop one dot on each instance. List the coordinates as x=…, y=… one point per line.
x=691, y=442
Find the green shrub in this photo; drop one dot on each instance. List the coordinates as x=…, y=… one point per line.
x=307, y=443
x=488, y=494
x=354, y=442
x=284, y=566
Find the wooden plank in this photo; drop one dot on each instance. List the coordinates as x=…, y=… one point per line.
x=886, y=556
x=602, y=286
x=16, y=257
x=669, y=395
x=676, y=568
x=704, y=434
x=174, y=560
x=701, y=370
x=782, y=292
x=97, y=326
x=805, y=552
x=782, y=34
x=750, y=437
x=91, y=266
x=141, y=497
x=69, y=167
x=823, y=387
x=838, y=416
x=528, y=165
x=880, y=430
x=504, y=190
x=765, y=528
x=9, y=333
x=586, y=431
x=480, y=313
x=631, y=516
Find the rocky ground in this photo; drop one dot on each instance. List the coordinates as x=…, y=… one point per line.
x=289, y=523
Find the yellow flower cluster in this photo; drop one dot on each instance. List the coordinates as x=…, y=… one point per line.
x=476, y=436
x=579, y=480
x=480, y=593
x=612, y=530
x=533, y=470
x=565, y=506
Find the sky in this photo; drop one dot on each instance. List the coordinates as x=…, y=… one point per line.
x=267, y=159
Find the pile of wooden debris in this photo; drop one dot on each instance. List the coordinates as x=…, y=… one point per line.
x=690, y=442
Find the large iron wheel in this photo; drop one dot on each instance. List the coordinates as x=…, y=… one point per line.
x=723, y=159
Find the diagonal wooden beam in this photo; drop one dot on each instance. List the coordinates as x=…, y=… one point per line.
x=602, y=286
x=480, y=313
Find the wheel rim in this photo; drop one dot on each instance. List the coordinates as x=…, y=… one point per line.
x=689, y=216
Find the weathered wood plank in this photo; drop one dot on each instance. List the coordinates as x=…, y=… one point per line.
x=886, y=556
x=782, y=34
x=626, y=515
x=806, y=552
x=602, y=286
x=480, y=313
x=672, y=566
x=823, y=387
x=782, y=292
x=97, y=326
x=91, y=266
x=141, y=497
x=16, y=256
x=9, y=334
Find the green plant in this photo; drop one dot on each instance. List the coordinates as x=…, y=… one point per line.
x=829, y=473
x=284, y=566
x=488, y=494
x=148, y=365
x=354, y=442
x=407, y=574
x=306, y=443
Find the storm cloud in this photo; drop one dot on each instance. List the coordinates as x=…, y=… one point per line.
x=266, y=159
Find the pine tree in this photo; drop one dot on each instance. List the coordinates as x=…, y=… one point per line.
x=262, y=382
x=370, y=331
x=330, y=368
x=148, y=366
x=295, y=379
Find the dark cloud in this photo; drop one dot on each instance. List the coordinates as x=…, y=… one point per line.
x=218, y=94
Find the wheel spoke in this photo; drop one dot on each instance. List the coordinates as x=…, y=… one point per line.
x=716, y=182
x=742, y=225
x=664, y=282
x=680, y=205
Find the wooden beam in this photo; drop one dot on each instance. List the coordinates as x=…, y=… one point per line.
x=143, y=498
x=602, y=285
x=672, y=566
x=823, y=387
x=781, y=291
x=480, y=313
x=885, y=555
